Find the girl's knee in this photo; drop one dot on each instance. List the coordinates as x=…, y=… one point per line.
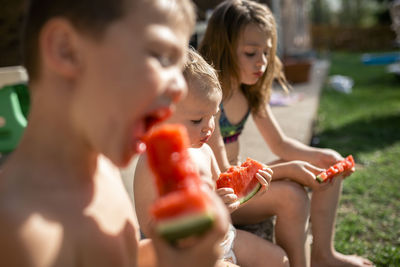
x=282, y=259
x=296, y=199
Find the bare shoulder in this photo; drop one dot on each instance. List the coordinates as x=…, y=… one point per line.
x=206, y=149
x=65, y=221
x=143, y=177
x=28, y=237
x=213, y=161
x=145, y=192
x=12, y=249
x=142, y=168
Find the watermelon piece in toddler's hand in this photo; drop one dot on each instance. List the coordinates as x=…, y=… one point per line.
x=182, y=209
x=242, y=179
x=336, y=169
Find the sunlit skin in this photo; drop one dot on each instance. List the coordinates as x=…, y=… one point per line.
x=119, y=131
x=62, y=200
x=198, y=114
x=296, y=169
x=252, y=50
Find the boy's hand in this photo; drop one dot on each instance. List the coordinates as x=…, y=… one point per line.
x=229, y=198
x=205, y=251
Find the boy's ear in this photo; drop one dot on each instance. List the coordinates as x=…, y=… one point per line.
x=59, y=47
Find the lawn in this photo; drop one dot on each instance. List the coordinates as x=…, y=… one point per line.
x=366, y=124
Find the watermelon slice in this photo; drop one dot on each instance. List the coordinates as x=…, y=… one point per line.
x=336, y=169
x=182, y=209
x=181, y=214
x=242, y=179
x=169, y=158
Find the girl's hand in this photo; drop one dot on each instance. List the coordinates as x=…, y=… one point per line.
x=348, y=173
x=325, y=157
x=229, y=198
x=305, y=174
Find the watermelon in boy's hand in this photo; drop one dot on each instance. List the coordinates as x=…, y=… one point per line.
x=182, y=209
x=182, y=213
x=336, y=169
x=242, y=179
x=167, y=150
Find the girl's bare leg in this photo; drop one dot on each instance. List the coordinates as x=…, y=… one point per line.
x=253, y=251
x=324, y=204
x=289, y=202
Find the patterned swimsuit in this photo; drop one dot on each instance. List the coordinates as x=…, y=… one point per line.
x=229, y=132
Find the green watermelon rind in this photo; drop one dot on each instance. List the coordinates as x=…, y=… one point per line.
x=319, y=179
x=184, y=226
x=250, y=194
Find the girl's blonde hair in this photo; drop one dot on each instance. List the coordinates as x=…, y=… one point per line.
x=220, y=42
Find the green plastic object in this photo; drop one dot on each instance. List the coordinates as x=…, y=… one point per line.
x=12, y=118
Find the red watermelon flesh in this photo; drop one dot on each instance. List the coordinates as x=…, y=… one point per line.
x=182, y=208
x=242, y=179
x=181, y=214
x=169, y=158
x=336, y=169
x=178, y=203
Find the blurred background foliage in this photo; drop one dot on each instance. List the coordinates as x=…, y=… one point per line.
x=362, y=13
x=356, y=25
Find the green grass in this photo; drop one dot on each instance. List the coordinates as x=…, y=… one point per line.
x=366, y=123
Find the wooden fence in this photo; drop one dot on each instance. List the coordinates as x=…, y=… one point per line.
x=325, y=37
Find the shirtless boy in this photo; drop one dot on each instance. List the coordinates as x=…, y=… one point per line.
x=101, y=74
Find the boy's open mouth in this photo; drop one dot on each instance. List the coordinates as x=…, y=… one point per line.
x=156, y=117
x=151, y=119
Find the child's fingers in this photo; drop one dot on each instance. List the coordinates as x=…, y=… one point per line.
x=348, y=173
x=314, y=169
x=233, y=206
x=266, y=175
x=262, y=180
x=269, y=170
x=264, y=184
x=224, y=190
x=229, y=198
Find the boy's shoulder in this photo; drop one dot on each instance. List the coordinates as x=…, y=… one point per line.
x=57, y=224
x=30, y=235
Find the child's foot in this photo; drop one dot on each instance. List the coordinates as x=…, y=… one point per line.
x=339, y=259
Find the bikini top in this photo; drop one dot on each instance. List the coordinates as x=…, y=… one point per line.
x=229, y=132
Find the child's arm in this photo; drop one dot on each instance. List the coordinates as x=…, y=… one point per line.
x=226, y=194
x=299, y=171
x=290, y=149
x=144, y=193
x=217, y=144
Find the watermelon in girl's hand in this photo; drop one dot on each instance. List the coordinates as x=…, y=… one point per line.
x=336, y=169
x=242, y=179
x=182, y=209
